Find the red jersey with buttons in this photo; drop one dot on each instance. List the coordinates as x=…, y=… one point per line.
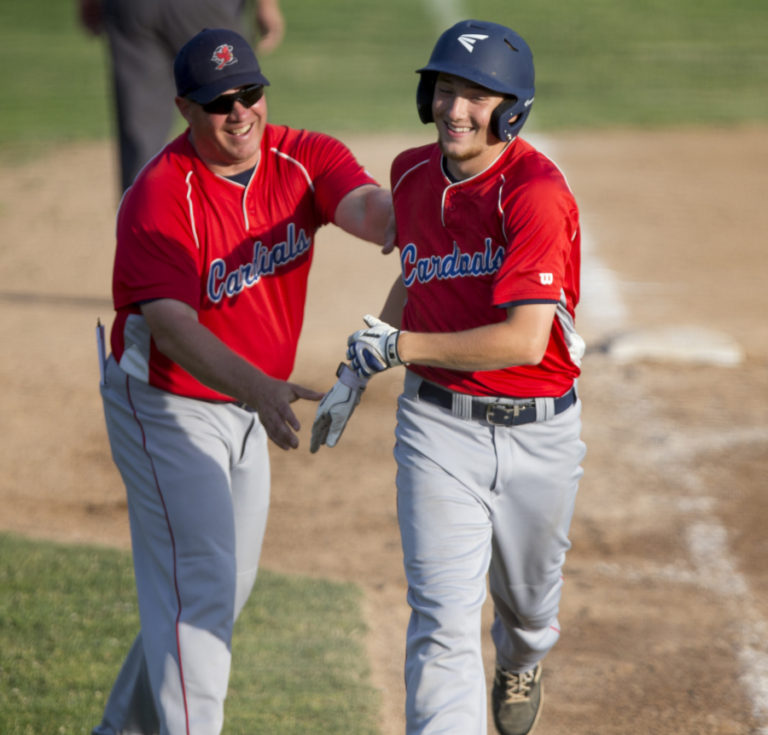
x=240, y=256
x=507, y=236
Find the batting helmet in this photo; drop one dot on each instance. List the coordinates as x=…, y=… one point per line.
x=488, y=54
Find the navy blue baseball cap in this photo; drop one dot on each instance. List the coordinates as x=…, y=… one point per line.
x=213, y=61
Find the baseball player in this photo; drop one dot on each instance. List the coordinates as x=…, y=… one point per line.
x=488, y=443
x=144, y=36
x=214, y=245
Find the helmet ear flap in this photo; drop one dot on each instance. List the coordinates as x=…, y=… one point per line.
x=425, y=92
x=501, y=117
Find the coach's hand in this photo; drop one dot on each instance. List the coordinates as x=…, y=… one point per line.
x=374, y=349
x=336, y=408
x=273, y=406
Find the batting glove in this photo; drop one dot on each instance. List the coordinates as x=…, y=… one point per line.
x=336, y=407
x=374, y=349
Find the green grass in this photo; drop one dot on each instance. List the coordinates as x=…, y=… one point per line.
x=68, y=616
x=347, y=65
x=54, y=83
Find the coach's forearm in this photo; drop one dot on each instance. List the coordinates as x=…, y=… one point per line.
x=181, y=338
x=366, y=212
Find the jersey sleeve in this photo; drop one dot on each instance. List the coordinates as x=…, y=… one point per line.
x=157, y=256
x=540, y=222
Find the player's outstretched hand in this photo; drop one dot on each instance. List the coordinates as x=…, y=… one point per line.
x=374, y=349
x=336, y=408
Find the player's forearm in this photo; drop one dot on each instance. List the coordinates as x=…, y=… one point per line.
x=520, y=340
x=475, y=349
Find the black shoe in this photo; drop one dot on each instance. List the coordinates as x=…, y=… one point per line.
x=516, y=700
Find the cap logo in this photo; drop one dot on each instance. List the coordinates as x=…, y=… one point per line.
x=223, y=56
x=468, y=40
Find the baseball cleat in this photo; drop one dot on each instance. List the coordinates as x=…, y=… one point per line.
x=516, y=700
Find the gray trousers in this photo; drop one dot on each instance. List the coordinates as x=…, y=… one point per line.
x=477, y=501
x=197, y=483
x=144, y=37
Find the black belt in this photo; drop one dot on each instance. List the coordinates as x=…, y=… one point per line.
x=501, y=412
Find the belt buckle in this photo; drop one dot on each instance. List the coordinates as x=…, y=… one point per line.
x=501, y=415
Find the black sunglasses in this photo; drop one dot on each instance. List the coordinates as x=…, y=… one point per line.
x=246, y=96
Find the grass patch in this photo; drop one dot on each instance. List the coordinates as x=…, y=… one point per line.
x=349, y=66
x=55, y=85
x=68, y=616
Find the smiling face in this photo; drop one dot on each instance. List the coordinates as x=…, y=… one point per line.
x=227, y=143
x=462, y=111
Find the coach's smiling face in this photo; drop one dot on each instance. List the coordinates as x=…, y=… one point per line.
x=228, y=143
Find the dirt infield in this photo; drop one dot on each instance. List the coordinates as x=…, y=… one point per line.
x=665, y=610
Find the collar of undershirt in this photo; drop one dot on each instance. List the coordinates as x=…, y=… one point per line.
x=447, y=173
x=243, y=177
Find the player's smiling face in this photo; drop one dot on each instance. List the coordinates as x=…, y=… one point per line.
x=462, y=111
x=228, y=142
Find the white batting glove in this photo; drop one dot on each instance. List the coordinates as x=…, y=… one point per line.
x=374, y=349
x=336, y=407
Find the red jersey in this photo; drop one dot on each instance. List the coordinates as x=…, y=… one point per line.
x=507, y=236
x=238, y=255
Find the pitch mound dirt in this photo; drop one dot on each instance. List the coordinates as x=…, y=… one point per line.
x=664, y=613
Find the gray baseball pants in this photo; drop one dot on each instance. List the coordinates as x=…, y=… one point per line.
x=197, y=483
x=476, y=501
